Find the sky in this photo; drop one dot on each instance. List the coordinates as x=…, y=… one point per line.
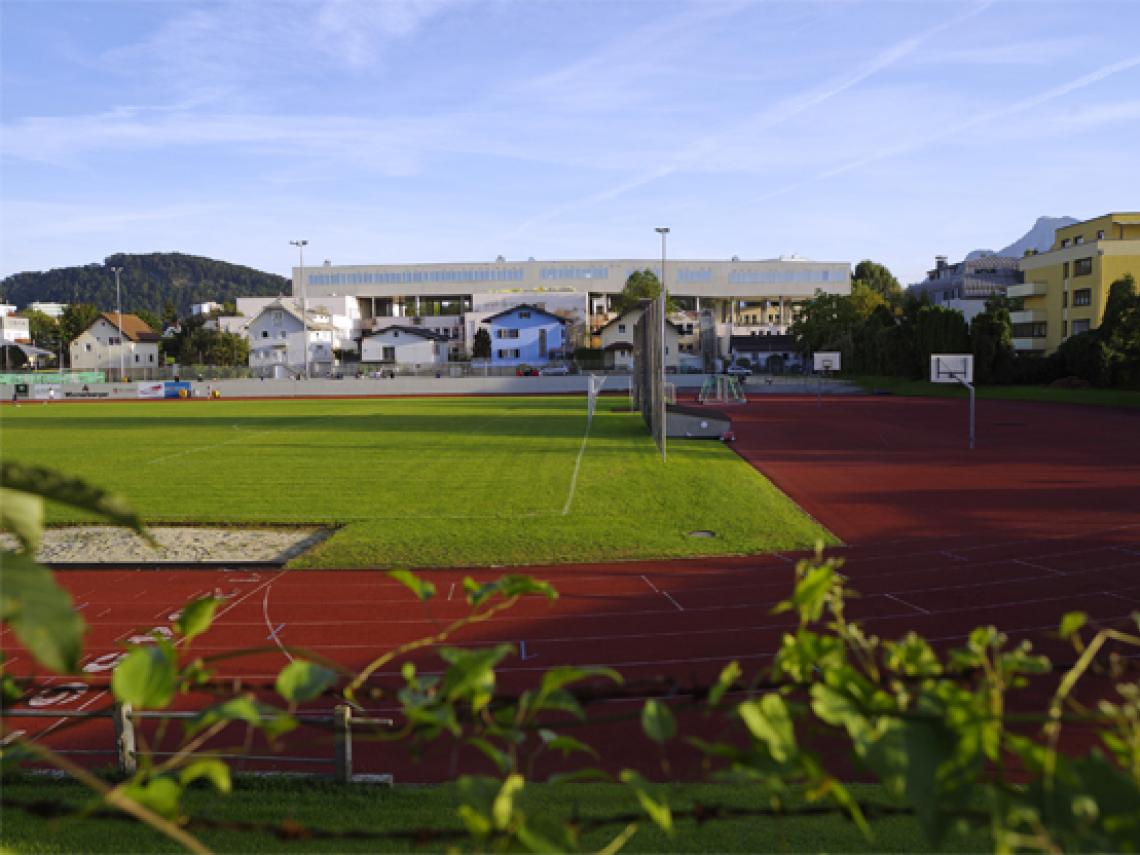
x=405, y=131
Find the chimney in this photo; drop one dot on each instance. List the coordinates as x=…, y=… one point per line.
x=940, y=262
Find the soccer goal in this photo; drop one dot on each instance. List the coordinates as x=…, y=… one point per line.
x=721, y=389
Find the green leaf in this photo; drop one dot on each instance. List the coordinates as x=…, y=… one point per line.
x=271, y=721
x=1071, y=622
x=146, y=677
x=658, y=811
x=23, y=515
x=499, y=758
x=301, y=681
x=657, y=721
x=210, y=768
x=728, y=677
x=423, y=589
x=768, y=720
x=53, y=485
x=41, y=613
x=471, y=676
x=196, y=617
x=161, y=795
x=566, y=744
x=564, y=675
x=504, y=806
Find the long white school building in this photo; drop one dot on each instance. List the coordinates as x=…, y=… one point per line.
x=734, y=297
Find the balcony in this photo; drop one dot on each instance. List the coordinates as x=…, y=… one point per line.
x=1028, y=316
x=1028, y=289
x=1029, y=344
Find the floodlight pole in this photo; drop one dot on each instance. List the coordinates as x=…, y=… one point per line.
x=119, y=307
x=301, y=244
x=663, y=231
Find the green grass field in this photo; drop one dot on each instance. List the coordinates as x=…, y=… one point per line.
x=369, y=811
x=418, y=482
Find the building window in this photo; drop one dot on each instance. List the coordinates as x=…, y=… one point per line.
x=1065, y=270
x=1080, y=327
x=621, y=328
x=265, y=333
x=1100, y=234
x=150, y=357
x=1064, y=243
x=1082, y=267
x=1030, y=330
x=1078, y=240
x=507, y=353
x=1082, y=297
x=136, y=357
x=87, y=348
x=524, y=314
x=1064, y=329
x=388, y=354
x=506, y=333
x=1064, y=299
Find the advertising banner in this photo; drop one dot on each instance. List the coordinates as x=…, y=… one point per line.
x=151, y=390
x=45, y=391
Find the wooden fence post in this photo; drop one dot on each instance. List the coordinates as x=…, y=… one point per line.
x=342, y=728
x=125, y=739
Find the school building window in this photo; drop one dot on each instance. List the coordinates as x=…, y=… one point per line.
x=1082, y=267
x=1082, y=297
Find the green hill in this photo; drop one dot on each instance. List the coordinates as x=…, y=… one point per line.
x=148, y=282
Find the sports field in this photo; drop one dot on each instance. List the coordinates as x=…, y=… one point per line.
x=422, y=481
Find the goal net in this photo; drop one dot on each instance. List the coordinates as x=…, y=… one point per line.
x=721, y=389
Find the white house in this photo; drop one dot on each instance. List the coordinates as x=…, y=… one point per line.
x=617, y=341
x=341, y=313
x=405, y=345
x=282, y=344
x=127, y=352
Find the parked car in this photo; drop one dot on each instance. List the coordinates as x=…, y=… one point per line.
x=555, y=371
x=526, y=371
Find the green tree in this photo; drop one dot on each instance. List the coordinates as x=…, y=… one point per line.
x=481, y=346
x=991, y=342
x=826, y=322
x=75, y=319
x=169, y=315
x=865, y=300
x=879, y=279
x=641, y=285
x=43, y=329
x=938, y=329
x=149, y=318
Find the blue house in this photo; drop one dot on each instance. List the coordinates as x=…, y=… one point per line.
x=526, y=334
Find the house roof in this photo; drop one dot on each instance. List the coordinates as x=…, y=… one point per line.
x=134, y=327
x=608, y=323
x=763, y=343
x=524, y=306
x=420, y=331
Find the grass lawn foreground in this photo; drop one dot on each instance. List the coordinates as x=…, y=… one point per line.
x=419, y=482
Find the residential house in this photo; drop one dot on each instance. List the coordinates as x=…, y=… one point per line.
x=616, y=337
x=526, y=335
x=967, y=285
x=127, y=351
x=281, y=344
x=768, y=353
x=405, y=345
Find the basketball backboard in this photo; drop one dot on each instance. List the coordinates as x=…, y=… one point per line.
x=951, y=367
x=827, y=360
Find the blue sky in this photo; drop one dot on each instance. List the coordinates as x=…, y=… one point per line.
x=459, y=130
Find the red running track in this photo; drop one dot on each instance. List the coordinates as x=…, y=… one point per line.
x=1042, y=518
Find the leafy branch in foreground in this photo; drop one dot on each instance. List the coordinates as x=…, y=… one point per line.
x=952, y=735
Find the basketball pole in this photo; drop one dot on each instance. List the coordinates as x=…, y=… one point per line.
x=970, y=387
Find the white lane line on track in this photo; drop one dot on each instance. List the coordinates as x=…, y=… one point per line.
x=269, y=625
x=1052, y=571
x=669, y=597
x=898, y=599
x=650, y=584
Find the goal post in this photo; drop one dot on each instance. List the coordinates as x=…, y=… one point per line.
x=594, y=384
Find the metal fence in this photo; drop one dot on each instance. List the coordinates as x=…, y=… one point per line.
x=125, y=752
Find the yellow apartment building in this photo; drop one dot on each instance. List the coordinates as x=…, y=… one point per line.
x=1065, y=288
